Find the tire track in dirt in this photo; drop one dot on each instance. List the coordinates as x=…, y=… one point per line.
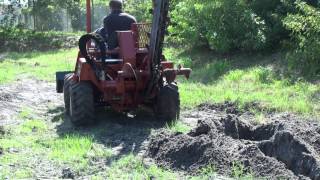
x=32, y=94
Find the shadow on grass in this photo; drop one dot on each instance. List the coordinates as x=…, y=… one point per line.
x=126, y=135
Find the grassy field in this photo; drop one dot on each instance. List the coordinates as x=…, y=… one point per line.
x=215, y=78
x=243, y=79
x=41, y=65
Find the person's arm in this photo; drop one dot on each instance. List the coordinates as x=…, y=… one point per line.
x=105, y=27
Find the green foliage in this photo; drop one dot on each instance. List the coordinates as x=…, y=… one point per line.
x=140, y=9
x=222, y=25
x=16, y=39
x=305, y=31
x=239, y=172
x=252, y=83
x=272, y=12
x=208, y=170
x=47, y=14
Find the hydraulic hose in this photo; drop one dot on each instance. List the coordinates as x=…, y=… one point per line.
x=84, y=40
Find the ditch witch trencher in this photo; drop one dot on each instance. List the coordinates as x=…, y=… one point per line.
x=141, y=76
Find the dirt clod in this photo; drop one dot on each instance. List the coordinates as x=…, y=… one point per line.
x=285, y=147
x=2, y=131
x=67, y=173
x=5, y=97
x=1, y=151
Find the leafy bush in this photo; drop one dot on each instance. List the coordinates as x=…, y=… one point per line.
x=14, y=39
x=140, y=9
x=305, y=32
x=272, y=12
x=222, y=25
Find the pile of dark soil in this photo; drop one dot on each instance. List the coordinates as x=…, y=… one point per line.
x=285, y=147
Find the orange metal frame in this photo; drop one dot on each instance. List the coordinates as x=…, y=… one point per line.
x=129, y=79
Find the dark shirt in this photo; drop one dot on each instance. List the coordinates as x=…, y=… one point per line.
x=116, y=21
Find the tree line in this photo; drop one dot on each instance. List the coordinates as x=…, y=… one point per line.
x=224, y=26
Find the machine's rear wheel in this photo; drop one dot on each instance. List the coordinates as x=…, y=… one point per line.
x=168, y=103
x=82, y=110
x=68, y=81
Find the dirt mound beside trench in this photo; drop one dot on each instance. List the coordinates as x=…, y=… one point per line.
x=285, y=147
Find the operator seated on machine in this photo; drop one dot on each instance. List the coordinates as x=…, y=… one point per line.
x=117, y=20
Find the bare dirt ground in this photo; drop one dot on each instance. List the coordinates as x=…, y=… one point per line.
x=286, y=146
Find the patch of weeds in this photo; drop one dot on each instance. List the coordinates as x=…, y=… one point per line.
x=208, y=170
x=10, y=159
x=21, y=150
x=33, y=126
x=263, y=75
x=71, y=148
x=212, y=71
x=178, y=126
x=235, y=76
x=260, y=118
x=23, y=174
x=25, y=113
x=132, y=167
x=16, y=165
x=98, y=151
x=238, y=171
x=11, y=142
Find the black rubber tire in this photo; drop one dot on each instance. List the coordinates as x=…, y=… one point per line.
x=167, y=107
x=82, y=109
x=68, y=81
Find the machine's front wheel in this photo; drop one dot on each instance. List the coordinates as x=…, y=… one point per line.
x=68, y=81
x=168, y=103
x=82, y=110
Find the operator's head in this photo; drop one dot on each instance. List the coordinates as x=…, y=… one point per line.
x=115, y=4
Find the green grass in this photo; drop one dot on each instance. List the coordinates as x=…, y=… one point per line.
x=240, y=78
x=218, y=79
x=41, y=65
x=238, y=172
x=132, y=167
x=215, y=79
x=72, y=149
x=178, y=126
x=20, y=147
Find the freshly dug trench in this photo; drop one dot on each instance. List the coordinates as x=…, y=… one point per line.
x=286, y=147
x=294, y=153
